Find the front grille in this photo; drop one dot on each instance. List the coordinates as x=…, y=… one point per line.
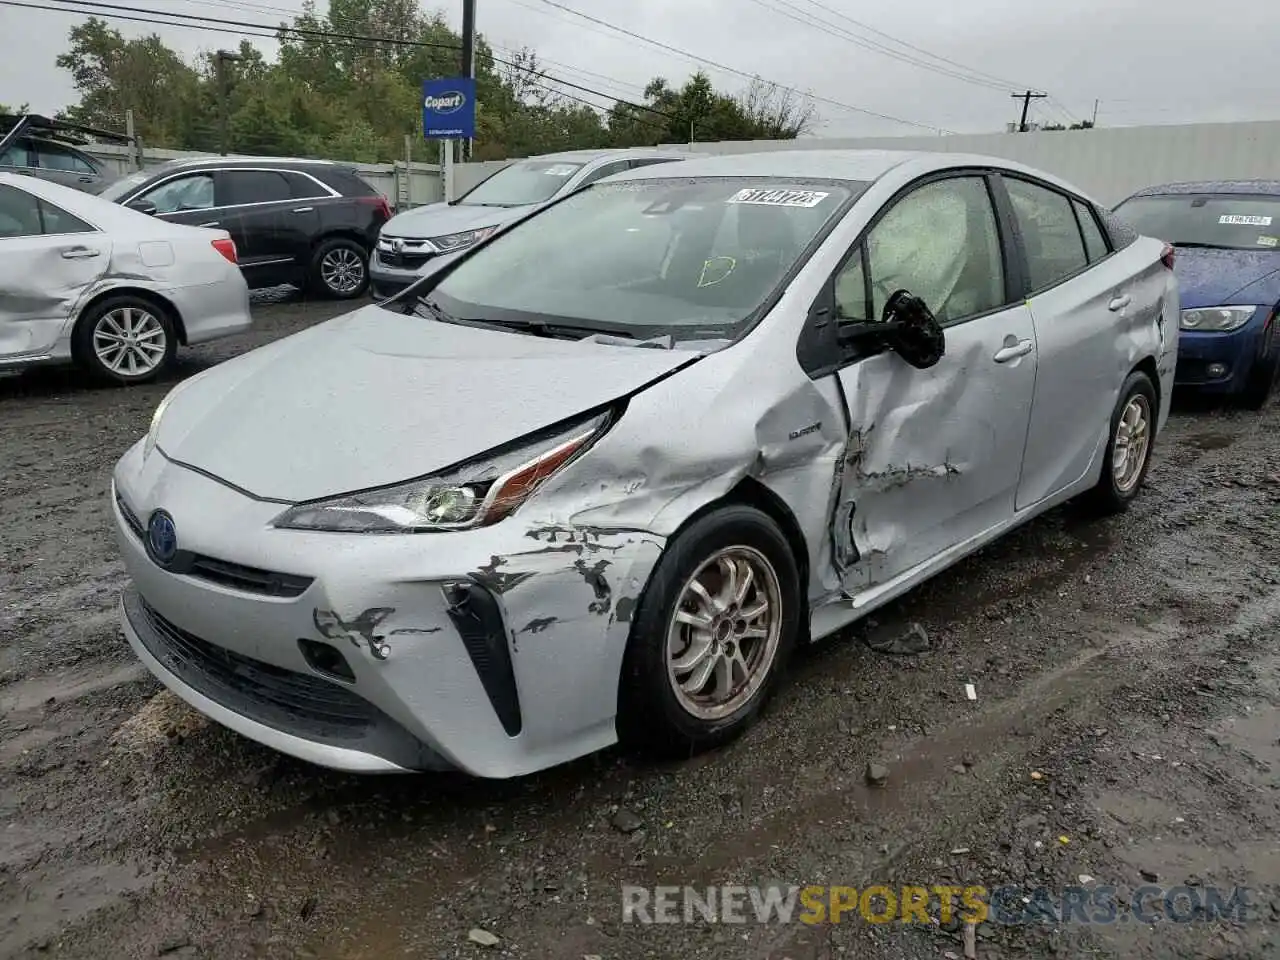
x=249, y=579
x=305, y=706
x=237, y=576
x=404, y=261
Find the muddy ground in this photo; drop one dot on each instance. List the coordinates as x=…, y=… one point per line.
x=1125, y=731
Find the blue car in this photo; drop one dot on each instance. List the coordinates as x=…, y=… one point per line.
x=1226, y=235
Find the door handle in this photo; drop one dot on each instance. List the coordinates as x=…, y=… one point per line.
x=303, y=209
x=86, y=179
x=1012, y=352
x=1120, y=302
x=78, y=253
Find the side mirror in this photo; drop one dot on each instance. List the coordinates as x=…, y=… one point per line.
x=142, y=206
x=913, y=331
x=907, y=326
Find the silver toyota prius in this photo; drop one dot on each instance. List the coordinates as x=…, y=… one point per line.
x=595, y=479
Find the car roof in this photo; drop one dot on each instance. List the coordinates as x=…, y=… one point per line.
x=589, y=156
x=1247, y=187
x=286, y=163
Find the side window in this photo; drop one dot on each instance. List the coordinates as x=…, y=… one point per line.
x=17, y=155
x=1053, y=243
x=608, y=170
x=1094, y=244
x=303, y=187
x=57, y=220
x=649, y=161
x=19, y=213
x=851, y=289
x=54, y=157
x=940, y=242
x=254, y=186
x=184, y=193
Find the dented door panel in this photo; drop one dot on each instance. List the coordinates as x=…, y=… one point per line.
x=934, y=456
x=43, y=280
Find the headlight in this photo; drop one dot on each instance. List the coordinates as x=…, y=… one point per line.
x=476, y=494
x=457, y=241
x=1217, y=319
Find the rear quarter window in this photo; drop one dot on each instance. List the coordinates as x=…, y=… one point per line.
x=346, y=182
x=1121, y=234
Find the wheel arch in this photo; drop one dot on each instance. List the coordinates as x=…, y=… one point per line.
x=159, y=301
x=342, y=233
x=1148, y=366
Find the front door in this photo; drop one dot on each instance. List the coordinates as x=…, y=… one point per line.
x=186, y=199
x=934, y=455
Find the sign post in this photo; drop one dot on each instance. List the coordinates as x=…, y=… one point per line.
x=448, y=114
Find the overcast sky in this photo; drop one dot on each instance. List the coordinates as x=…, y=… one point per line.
x=1148, y=62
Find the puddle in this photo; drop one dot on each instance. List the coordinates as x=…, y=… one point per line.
x=1211, y=441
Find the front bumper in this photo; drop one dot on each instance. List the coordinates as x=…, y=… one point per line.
x=386, y=281
x=1235, y=352
x=447, y=638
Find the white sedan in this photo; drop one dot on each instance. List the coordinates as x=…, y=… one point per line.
x=87, y=281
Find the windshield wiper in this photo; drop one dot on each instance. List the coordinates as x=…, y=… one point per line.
x=544, y=328
x=1192, y=245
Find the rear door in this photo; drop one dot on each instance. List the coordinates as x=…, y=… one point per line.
x=259, y=213
x=934, y=456
x=48, y=259
x=1082, y=302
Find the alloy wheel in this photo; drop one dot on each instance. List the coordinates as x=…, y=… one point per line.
x=1132, y=443
x=723, y=636
x=130, y=341
x=342, y=270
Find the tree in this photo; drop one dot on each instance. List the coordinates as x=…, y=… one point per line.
x=356, y=99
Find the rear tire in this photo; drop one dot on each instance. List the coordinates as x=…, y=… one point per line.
x=1265, y=373
x=710, y=642
x=339, y=269
x=1128, y=455
x=125, y=340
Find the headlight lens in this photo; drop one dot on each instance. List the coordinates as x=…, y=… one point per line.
x=457, y=241
x=1217, y=319
x=474, y=495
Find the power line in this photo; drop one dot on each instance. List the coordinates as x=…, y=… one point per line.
x=910, y=46
x=828, y=27
x=734, y=70
x=224, y=25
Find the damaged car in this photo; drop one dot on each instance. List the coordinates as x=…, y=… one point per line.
x=595, y=479
x=86, y=281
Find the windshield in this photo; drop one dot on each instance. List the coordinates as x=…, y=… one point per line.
x=125, y=185
x=1234, y=222
x=692, y=259
x=529, y=181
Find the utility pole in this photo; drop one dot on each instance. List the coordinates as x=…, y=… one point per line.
x=1026, y=99
x=1095, y=111
x=469, y=49
x=221, y=59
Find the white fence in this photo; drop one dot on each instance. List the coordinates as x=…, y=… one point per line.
x=1108, y=162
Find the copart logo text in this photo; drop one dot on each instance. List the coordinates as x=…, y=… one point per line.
x=446, y=102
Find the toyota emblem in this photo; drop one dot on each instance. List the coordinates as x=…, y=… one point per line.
x=162, y=538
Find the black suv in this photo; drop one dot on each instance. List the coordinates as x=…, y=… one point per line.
x=309, y=223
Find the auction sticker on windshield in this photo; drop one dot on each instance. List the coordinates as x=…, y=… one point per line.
x=560, y=170
x=779, y=198
x=1268, y=242
x=1239, y=219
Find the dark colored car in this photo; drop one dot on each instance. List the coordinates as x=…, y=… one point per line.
x=44, y=148
x=309, y=223
x=1227, y=237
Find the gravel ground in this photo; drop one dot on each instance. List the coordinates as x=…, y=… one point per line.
x=1124, y=732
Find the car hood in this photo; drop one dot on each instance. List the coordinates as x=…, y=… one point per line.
x=1218, y=278
x=442, y=219
x=375, y=397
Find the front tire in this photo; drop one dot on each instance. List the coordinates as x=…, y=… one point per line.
x=712, y=634
x=125, y=340
x=339, y=269
x=1128, y=456
x=1265, y=373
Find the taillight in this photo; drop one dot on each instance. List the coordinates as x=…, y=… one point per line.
x=227, y=247
x=1166, y=256
x=380, y=202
